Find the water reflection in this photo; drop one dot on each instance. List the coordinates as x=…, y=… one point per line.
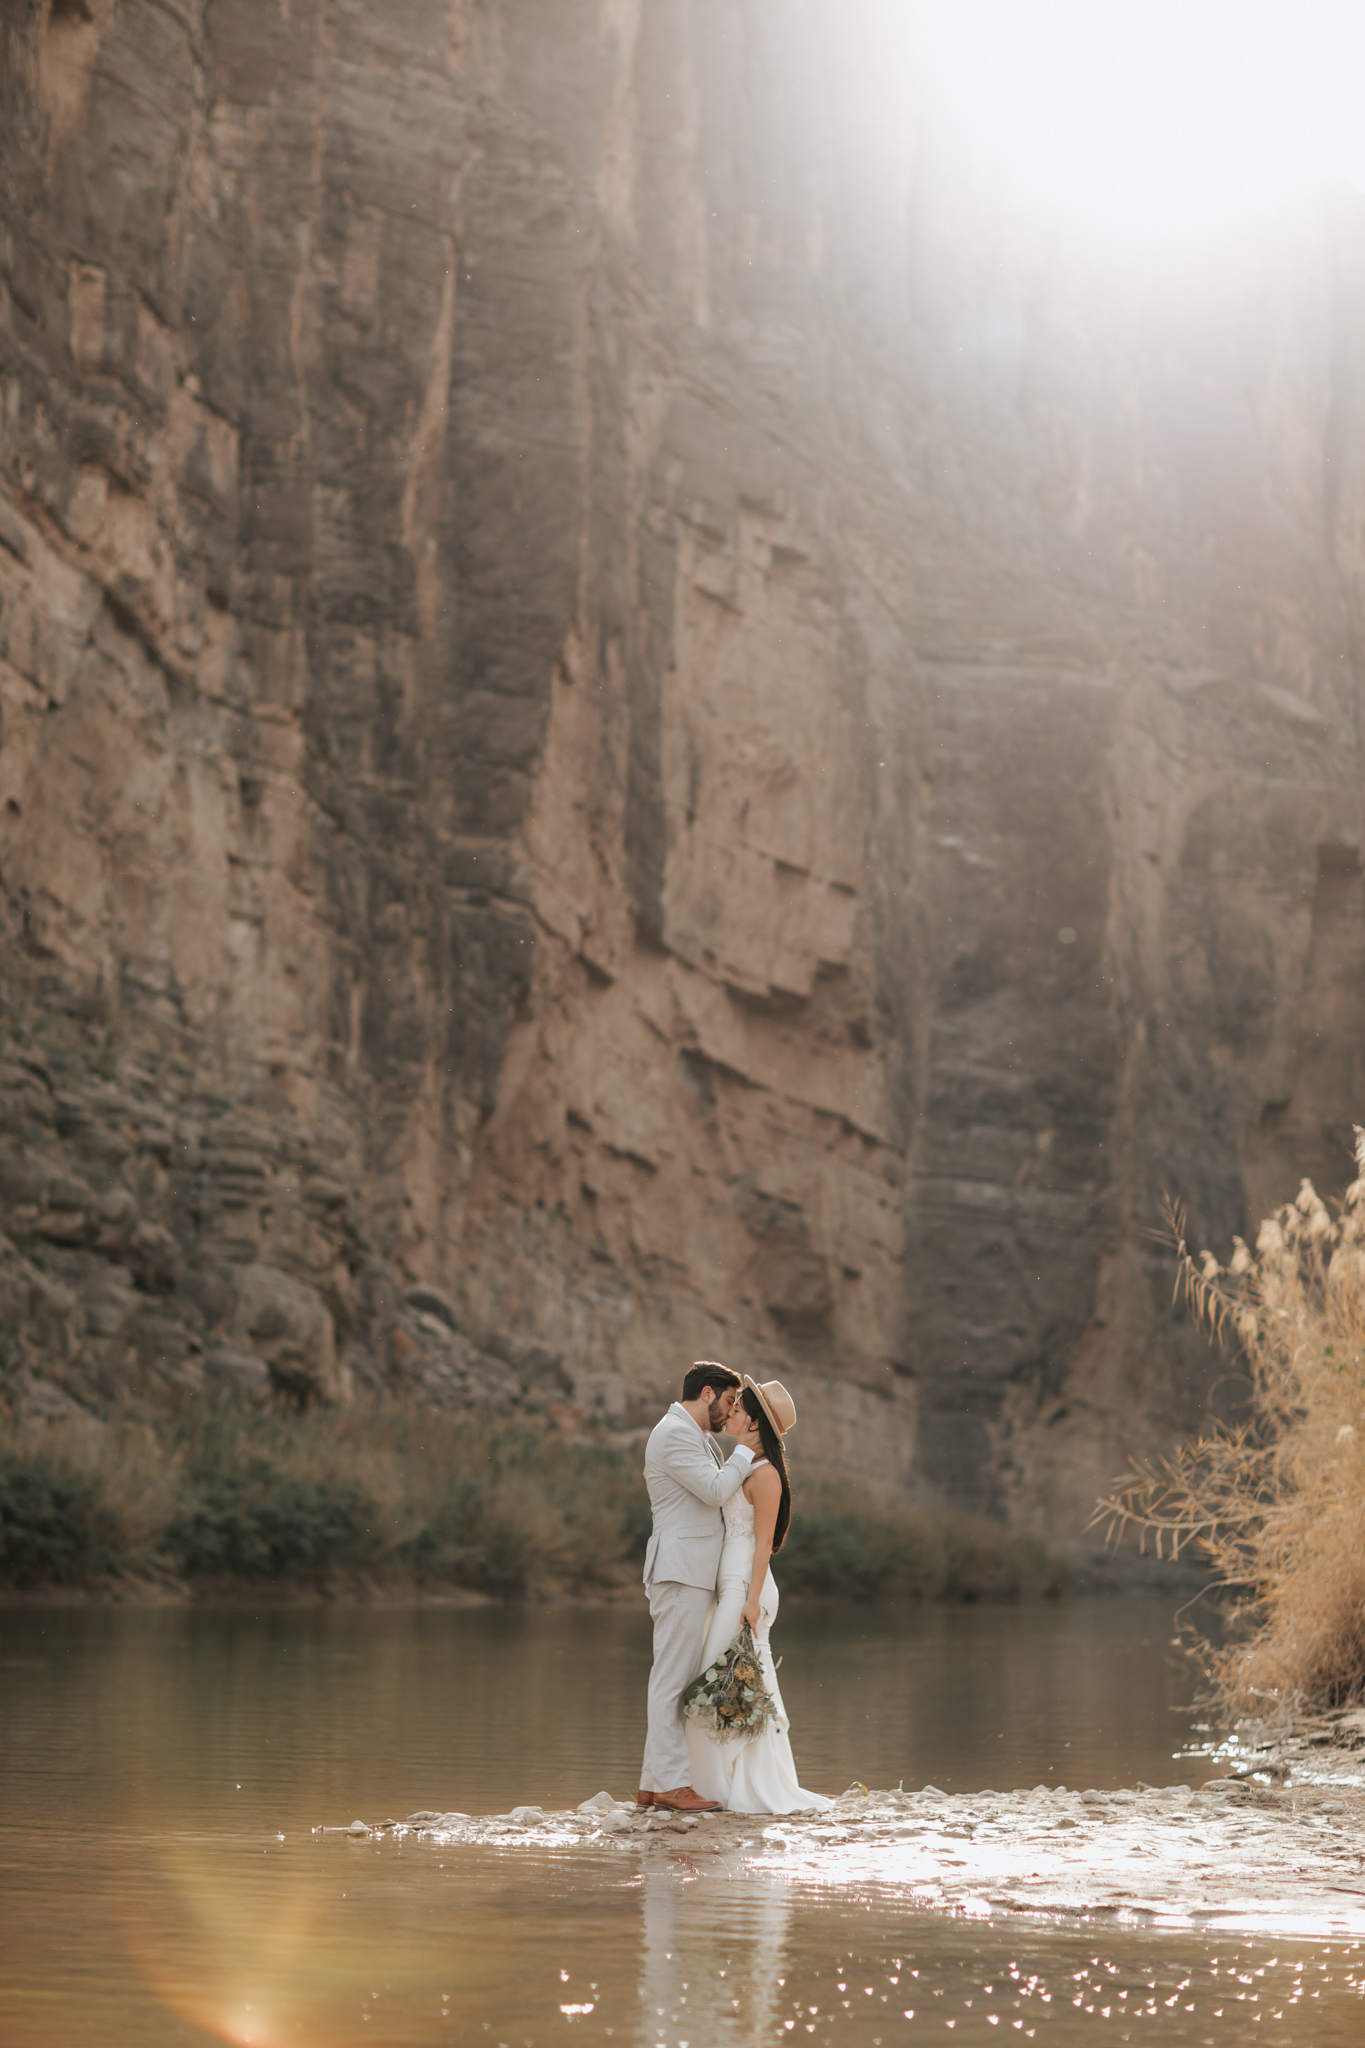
x=379, y=1713
x=160, y=1885
x=712, y=1969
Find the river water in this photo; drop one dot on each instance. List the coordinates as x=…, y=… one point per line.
x=162, y=1773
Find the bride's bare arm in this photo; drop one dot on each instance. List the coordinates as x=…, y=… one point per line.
x=764, y=1489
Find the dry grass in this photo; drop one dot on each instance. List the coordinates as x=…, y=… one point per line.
x=862, y=1546
x=395, y=1498
x=383, y=1494
x=1277, y=1503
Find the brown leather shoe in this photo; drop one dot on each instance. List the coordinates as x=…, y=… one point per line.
x=685, y=1800
x=644, y=1799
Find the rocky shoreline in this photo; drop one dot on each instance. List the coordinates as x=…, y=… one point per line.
x=1235, y=1853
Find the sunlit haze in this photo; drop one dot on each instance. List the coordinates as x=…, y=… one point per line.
x=1158, y=117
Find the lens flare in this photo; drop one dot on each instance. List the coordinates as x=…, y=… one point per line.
x=1161, y=118
x=310, y=1957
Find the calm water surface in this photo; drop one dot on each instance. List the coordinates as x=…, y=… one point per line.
x=161, y=1772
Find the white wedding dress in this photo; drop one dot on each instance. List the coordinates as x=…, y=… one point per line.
x=758, y=1775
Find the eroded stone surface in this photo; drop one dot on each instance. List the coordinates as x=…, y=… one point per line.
x=619, y=704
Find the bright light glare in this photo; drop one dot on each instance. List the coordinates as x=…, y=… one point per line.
x=1156, y=114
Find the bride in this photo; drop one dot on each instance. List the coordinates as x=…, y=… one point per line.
x=757, y=1775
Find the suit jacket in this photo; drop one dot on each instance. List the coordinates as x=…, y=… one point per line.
x=688, y=1486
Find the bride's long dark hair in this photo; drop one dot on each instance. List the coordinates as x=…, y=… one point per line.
x=772, y=1451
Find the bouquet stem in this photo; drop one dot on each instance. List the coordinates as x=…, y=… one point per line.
x=730, y=1699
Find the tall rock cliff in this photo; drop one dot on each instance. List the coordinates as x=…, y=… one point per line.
x=640, y=724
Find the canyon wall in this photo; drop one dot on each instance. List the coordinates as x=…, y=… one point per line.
x=639, y=723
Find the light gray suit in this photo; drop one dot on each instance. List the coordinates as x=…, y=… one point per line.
x=688, y=1486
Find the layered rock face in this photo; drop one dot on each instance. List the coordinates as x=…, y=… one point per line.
x=637, y=725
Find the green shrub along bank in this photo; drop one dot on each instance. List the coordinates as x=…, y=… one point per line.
x=391, y=1498
x=848, y=1542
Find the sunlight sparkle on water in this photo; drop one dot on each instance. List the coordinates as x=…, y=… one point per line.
x=147, y=1903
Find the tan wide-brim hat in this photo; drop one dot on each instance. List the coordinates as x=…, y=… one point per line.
x=776, y=1403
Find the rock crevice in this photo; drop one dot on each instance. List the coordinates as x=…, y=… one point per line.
x=603, y=716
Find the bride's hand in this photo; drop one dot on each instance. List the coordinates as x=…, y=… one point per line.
x=749, y=1611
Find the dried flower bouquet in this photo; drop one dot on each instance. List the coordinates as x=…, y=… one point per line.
x=730, y=1699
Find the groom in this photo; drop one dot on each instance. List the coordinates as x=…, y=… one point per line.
x=688, y=1486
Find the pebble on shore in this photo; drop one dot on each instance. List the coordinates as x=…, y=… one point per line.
x=1233, y=1852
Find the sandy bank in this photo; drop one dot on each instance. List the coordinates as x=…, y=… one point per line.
x=1234, y=1854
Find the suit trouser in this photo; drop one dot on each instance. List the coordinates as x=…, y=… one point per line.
x=680, y=1615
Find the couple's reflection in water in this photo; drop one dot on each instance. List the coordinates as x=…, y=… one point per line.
x=714, y=1957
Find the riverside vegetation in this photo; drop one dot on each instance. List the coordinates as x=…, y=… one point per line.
x=1275, y=1502
x=381, y=1497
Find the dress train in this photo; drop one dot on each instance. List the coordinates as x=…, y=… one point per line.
x=757, y=1775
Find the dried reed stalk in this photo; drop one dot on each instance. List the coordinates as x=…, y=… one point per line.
x=1276, y=1503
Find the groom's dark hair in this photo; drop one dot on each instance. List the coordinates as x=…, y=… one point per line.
x=707, y=1373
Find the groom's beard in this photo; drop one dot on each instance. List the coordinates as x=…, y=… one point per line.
x=718, y=1419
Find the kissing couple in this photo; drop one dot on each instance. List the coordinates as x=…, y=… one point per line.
x=716, y=1525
